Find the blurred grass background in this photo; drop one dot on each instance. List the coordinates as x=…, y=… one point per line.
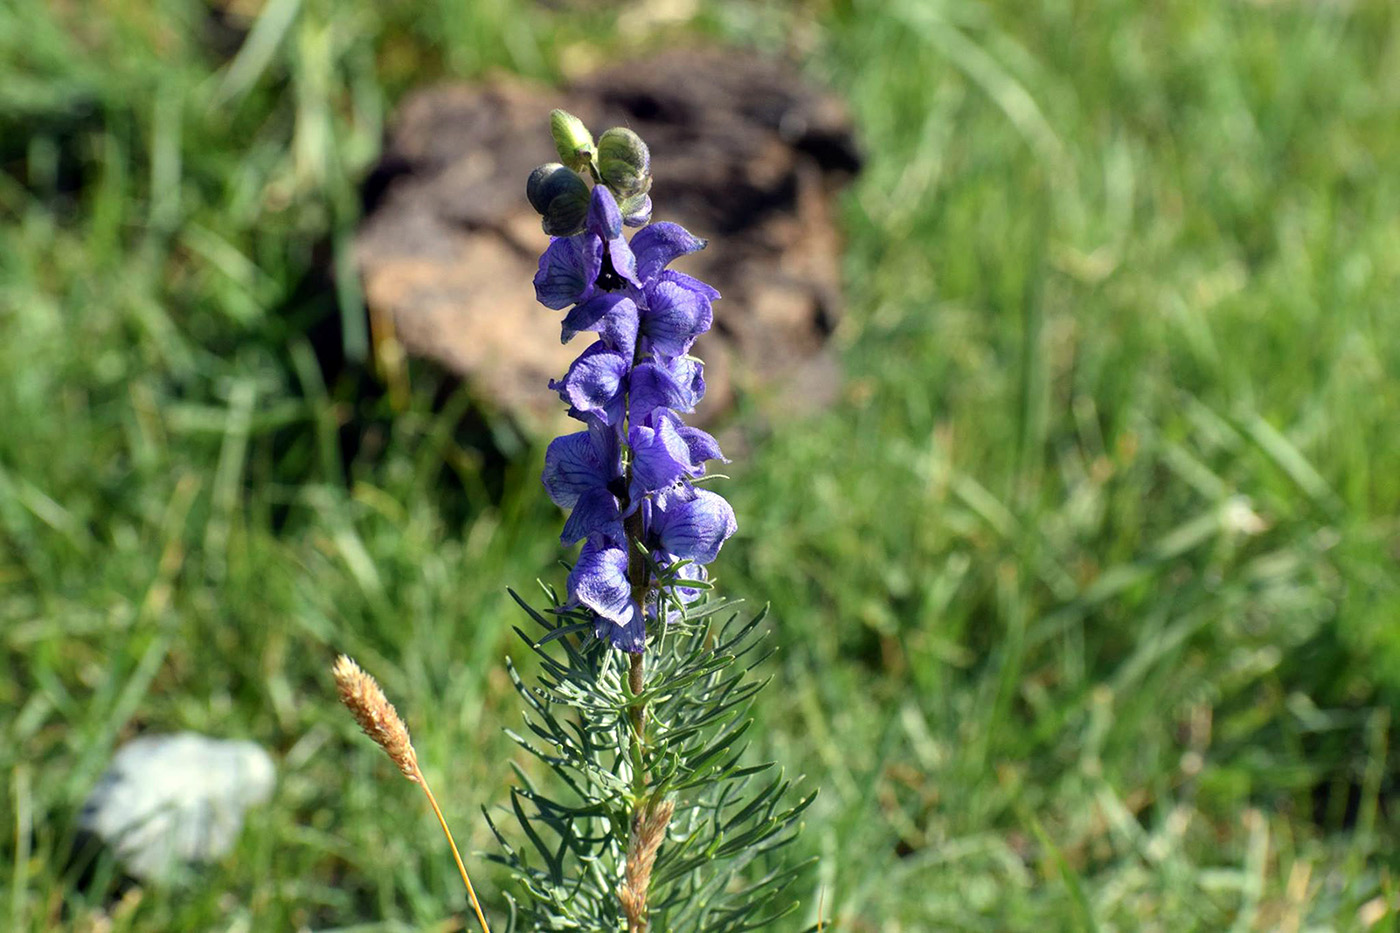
x=1087, y=590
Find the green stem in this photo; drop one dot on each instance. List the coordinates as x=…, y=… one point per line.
x=636, y=672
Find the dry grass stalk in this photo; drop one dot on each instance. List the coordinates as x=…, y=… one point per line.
x=363, y=696
x=648, y=832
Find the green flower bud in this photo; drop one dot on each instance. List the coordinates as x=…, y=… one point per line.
x=636, y=210
x=561, y=196
x=572, y=139
x=624, y=163
x=549, y=181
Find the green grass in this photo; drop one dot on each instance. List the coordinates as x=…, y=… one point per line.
x=1086, y=589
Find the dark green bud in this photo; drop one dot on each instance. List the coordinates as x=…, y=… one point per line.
x=548, y=182
x=561, y=196
x=572, y=139
x=624, y=162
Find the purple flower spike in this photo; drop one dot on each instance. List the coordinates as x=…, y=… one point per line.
x=655, y=246
x=694, y=526
x=628, y=479
x=599, y=581
x=594, y=385
x=568, y=269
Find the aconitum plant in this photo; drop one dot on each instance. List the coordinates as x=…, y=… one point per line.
x=656, y=818
x=630, y=477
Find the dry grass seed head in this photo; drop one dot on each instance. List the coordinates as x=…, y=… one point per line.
x=362, y=695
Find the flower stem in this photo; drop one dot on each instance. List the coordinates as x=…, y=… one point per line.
x=457, y=856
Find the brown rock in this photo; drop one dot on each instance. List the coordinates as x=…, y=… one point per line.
x=744, y=153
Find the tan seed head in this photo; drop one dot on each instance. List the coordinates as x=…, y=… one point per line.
x=362, y=695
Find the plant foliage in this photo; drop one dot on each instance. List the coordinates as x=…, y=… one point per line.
x=718, y=869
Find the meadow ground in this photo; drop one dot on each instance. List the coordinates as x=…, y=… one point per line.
x=1087, y=590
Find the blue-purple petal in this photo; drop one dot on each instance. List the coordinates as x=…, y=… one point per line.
x=660, y=456
x=702, y=446
x=651, y=387
x=594, y=512
x=605, y=221
x=568, y=269
x=630, y=637
x=604, y=218
x=690, y=283
x=612, y=315
x=596, y=383
x=599, y=581
x=695, y=527
x=675, y=316
x=658, y=244
x=576, y=463
x=689, y=374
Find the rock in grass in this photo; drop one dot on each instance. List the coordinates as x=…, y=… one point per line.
x=743, y=151
x=168, y=801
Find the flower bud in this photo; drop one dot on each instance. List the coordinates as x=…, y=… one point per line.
x=572, y=139
x=561, y=196
x=548, y=182
x=636, y=210
x=624, y=163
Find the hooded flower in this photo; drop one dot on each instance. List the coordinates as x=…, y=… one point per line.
x=692, y=523
x=595, y=385
x=599, y=580
x=611, y=315
x=583, y=472
x=574, y=269
x=675, y=313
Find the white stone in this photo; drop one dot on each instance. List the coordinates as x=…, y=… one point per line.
x=171, y=800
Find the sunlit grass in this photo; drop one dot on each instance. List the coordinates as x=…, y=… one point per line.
x=1086, y=589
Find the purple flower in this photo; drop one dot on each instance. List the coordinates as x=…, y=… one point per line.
x=675, y=313
x=574, y=269
x=595, y=385
x=599, y=580
x=583, y=472
x=656, y=245
x=660, y=456
x=692, y=523
x=568, y=269
x=611, y=315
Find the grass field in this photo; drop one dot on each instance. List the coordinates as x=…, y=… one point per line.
x=1087, y=590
